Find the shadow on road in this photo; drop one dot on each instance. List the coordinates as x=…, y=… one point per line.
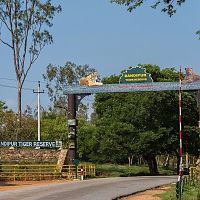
x=4, y=183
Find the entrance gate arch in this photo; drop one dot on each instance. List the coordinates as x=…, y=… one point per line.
x=77, y=93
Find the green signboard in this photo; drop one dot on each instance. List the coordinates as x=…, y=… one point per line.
x=44, y=144
x=135, y=75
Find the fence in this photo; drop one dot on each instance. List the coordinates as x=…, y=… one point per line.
x=44, y=172
x=74, y=171
x=192, y=179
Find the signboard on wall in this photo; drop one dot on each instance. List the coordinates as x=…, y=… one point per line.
x=135, y=75
x=43, y=144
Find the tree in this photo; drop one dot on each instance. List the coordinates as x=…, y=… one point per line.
x=3, y=109
x=169, y=6
x=10, y=131
x=87, y=142
x=152, y=118
x=54, y=127
x=26, y=23
x=59, y=77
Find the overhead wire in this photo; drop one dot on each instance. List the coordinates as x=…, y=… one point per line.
x=12, y=79
x=9, y=86
x=15, y=87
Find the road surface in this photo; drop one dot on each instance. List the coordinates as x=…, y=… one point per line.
x=94, y=189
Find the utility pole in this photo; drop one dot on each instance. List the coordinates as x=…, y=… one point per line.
x=38, y=92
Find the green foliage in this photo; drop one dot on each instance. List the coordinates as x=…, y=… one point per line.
x=114, y=170
x=191, y=140
x=168, y=6
x=116, y=139
x=87, y=142
x=111, y=80
x=198, y=33
x=143, y=123
x=190, y=193
x=10, y=129
x=3, y=108
x=54, y=128
x=59, y=77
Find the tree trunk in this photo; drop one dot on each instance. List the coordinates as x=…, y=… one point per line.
x=166, y=162
x=139, y=161
x=130, y=160
x=152, y=164
x=19, y=104
x=173, y=162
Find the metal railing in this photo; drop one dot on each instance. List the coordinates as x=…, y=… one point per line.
x=192, y=179
x=44, y=172
x=74, y=171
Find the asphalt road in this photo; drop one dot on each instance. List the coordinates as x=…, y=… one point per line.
x=94, y=189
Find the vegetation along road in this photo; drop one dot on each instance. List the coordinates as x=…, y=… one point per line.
x=95, y=189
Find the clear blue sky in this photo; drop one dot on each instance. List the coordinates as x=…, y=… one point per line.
x=110, y=39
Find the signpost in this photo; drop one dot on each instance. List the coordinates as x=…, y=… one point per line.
x=43, y=144
x=135, y=75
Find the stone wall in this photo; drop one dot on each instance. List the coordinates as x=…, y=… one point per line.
x=22, y=155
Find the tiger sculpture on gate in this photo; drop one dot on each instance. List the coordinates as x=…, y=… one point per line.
x=190, y=76
x=90, y=80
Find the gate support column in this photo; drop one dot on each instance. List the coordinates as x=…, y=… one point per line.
x=72, y=123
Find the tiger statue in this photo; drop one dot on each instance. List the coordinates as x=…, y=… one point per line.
x=190, y=76
x=90, y=80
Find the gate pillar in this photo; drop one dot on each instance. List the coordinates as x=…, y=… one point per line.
x=72, y=124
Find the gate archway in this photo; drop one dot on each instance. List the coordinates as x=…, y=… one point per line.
x=77, y=93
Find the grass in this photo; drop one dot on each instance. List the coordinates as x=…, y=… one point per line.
x=189, y=193
x=111, y=170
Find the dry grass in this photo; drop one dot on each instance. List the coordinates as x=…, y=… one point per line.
x=149, y=194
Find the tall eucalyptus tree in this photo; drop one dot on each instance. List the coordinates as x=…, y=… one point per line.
x=24, y=29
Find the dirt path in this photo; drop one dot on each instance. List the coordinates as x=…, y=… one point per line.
x=149, y=194
x=19, y=184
